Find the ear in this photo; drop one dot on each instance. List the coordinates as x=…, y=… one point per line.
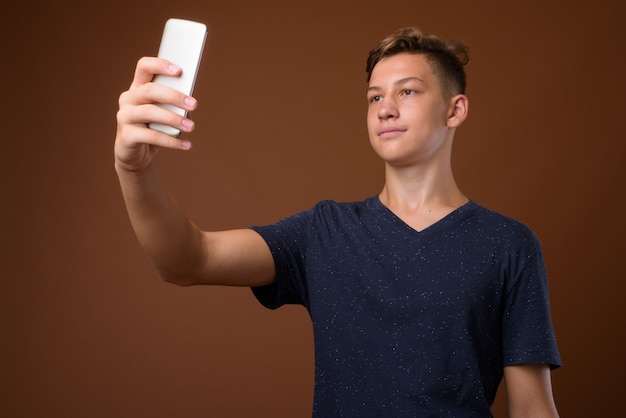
x=457, y=112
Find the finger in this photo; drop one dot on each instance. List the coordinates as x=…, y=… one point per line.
x=131, y=136
x=150, y=113
x=148, y=67
x=157, y=93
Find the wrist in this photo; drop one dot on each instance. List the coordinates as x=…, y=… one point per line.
x=122, y=167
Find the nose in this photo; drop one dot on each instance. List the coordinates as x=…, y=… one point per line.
x=388, y=109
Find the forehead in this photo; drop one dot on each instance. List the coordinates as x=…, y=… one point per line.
x=402, y=66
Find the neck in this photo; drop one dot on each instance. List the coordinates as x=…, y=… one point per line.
x=421, y=196
x=415, y=187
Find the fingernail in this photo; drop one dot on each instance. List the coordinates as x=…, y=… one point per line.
x=190, y=101
x=173, y=68
x=188, y=123
x=185, y=144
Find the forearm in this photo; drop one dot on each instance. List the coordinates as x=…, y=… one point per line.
x=529, y=391
x=171, y=241
x=181, y=252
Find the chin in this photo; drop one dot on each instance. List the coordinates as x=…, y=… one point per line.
x=388, y=151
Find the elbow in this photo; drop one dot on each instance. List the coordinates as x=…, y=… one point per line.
x=175, y=280
x=179, y=279
x=181, y=272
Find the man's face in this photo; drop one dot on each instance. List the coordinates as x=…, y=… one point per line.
x=407, y=114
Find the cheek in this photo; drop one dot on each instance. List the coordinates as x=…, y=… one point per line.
x=371, y=130
x=372, y=117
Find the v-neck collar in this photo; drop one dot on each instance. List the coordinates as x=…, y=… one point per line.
x=441, y=223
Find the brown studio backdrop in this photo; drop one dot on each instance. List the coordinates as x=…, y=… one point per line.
x=89, y=330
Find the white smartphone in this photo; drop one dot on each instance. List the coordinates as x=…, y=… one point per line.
x=182, y=44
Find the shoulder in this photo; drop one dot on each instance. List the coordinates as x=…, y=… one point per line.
x=333, y=210
x=502, y=227
x=325, y=214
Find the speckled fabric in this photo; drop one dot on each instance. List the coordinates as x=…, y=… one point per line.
x=408, y=323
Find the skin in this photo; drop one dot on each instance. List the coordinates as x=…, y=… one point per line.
x=182, y=253
x=411, y=127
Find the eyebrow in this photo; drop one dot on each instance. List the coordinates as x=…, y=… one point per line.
x=397, y=83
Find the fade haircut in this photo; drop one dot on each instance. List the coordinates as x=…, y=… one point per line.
x=446, y=59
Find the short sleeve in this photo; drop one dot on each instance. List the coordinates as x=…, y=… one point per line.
x=528, y=334
x=287, y=242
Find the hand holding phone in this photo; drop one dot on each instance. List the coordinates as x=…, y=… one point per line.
x=182, y=44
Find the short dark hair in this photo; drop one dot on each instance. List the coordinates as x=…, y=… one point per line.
x=445, y=58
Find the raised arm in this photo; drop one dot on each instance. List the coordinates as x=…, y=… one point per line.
x=529, y=391
x=181, y=252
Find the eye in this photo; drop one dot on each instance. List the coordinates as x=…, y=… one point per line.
x=375, y=99
x=408, y=92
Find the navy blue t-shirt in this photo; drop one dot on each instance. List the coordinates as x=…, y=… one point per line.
x=410, y=323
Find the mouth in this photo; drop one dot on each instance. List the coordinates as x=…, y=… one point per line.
x=390, y=132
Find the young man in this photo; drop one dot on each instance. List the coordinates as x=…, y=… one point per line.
x=421, y=300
